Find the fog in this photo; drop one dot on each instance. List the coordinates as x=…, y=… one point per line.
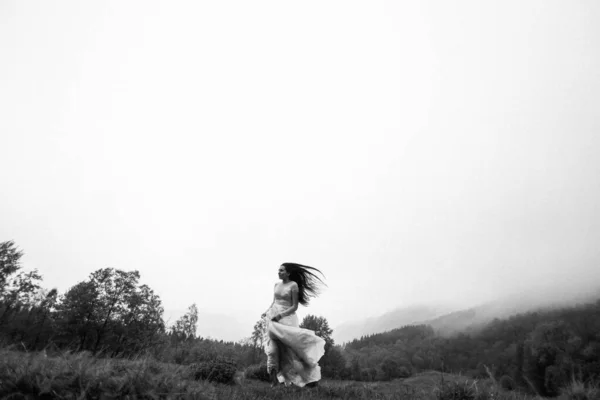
x=417, y=154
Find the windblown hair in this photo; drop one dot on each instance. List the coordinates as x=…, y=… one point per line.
x=309, y=284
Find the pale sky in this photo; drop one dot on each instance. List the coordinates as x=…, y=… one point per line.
x=415, y=152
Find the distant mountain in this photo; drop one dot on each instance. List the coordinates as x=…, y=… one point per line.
x=447, y=322
x=216, y=326
x=393, y=319
x=468, y=320
x=477, y=317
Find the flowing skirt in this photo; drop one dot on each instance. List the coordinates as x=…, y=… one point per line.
x=294, y=352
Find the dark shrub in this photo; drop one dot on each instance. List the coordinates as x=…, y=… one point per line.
x=507, y=383
x=258, y=372
x=403, y=372
x=221, y=370
x=456, y=391
x=554, y=379
x=591, y=371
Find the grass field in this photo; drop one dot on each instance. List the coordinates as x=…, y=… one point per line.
x=81, y=376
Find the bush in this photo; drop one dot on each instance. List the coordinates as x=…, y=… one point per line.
x=507, y=383
x=456, y=391
x=258, y=372
x=221, y=370
x=554, y=378
x=591, y=371
x=403, y=372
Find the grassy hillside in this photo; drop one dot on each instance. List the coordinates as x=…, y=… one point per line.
x=81, y=376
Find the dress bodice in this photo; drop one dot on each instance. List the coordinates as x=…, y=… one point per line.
x=283, y=294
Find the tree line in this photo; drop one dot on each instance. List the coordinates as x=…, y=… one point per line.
x=111, y=314
x=536, y=351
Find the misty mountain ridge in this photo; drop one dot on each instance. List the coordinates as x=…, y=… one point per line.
x=446, y=322
x=388, y=321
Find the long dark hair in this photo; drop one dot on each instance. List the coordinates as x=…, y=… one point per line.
x=309, y=284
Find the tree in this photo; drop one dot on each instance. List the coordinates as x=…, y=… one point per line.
x=46, y=305
x=321, y=328
x=77, y=313
x=257, y=339
x=550, y=348
x=355, y=371
x=9, y=262
x=185, y=327
x=15, y=290
x=109, y=309
x=114, y=288
x=390, y=369
x=141, y=322
x=333, y=362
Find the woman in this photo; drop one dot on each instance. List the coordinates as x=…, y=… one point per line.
x=292, y=352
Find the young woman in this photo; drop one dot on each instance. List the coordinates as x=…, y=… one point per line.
x=292, y=352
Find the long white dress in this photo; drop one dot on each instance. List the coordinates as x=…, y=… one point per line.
x=294, y=352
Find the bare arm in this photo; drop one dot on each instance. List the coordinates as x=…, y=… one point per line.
x=294, y=306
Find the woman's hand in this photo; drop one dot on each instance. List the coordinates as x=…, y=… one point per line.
x=276, y=318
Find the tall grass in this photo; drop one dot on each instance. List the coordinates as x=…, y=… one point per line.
x=82, y=376
x=578, y=390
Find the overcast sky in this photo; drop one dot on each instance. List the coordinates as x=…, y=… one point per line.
x=415, y=152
